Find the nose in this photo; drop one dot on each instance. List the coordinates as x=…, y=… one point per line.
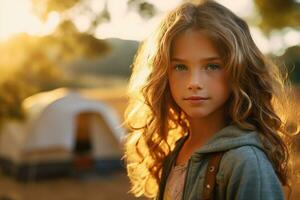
x=195, y=80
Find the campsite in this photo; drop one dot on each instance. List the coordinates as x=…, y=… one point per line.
x=63, y=131
x=65, y=69
x=74, y=146
x=74, y=176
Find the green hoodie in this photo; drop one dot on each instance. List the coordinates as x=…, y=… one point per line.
x=244, y=173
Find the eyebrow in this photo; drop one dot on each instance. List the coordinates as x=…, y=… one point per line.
x=205, y=59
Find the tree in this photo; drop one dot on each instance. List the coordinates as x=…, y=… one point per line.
x=32, y=64
x=278, y=14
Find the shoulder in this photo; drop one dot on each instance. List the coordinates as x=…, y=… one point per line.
x=247, y=159
x=248, y=166
x=247, y=172
x=247, y=153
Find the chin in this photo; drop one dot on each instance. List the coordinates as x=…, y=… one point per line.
x=196, y=114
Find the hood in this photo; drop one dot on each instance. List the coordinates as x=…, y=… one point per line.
x=230, y=137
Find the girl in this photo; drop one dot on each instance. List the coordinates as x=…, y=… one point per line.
x=204, y=99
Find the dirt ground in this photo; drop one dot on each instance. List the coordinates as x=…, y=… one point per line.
x=87, y=187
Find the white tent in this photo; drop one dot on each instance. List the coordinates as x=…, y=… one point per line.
x=57, y=122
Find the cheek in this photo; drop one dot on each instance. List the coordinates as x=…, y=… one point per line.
x=222, y=87
x=171, y=86
x=175, y=83
x=174, y=90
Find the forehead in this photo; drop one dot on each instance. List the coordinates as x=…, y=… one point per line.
x=193, y=43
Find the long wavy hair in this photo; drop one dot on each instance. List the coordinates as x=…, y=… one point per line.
x=156, y=122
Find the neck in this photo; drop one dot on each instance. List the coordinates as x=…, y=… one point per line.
x=202, y=129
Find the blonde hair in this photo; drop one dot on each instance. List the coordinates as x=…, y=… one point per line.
x=155, y=121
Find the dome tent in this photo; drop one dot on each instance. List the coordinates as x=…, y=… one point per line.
x=63, y=131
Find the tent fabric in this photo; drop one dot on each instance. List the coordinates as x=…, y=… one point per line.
x=51, y=125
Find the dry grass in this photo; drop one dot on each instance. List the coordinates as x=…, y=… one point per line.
x=110, y=187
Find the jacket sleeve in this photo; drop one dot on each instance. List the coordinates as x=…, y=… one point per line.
x=251, y=176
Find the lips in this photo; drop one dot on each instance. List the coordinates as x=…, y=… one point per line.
x=196, y=98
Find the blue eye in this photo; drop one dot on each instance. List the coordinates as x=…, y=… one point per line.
x=180, y=67
x=212, y=66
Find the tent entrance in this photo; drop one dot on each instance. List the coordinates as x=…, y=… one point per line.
x=83, y=147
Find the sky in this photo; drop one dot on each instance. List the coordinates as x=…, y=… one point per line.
x=16, y=17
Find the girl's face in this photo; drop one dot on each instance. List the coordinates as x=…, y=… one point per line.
x=197, y=78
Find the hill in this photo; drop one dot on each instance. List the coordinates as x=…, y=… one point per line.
x=114, y=63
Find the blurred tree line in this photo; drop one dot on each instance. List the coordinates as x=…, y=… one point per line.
x=279, y=15
x=32, y=64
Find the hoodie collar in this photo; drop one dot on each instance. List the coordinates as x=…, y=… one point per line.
x=230, y=137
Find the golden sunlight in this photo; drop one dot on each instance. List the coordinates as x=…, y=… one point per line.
x=16, y=17
x=130, y=25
